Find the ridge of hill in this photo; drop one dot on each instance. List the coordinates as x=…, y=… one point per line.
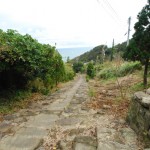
x=97, y=53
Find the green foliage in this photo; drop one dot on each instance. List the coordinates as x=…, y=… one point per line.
x=91, y=92
x=36, y=85
x=107, y=73
x=24, y=59
x=69, y=73
x=139, y=48
x=128, y=68
x=96, y=54
x=58, y=71
x=27, y=65
x=12, y=99
x=92, y=55
x=137, y=87
x=90, y=70
x=78, y=67
x=87, y=78
x=122, y=70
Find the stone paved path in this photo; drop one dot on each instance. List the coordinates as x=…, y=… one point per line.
x=62, y=121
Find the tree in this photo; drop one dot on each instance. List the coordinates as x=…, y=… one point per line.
x=91, y=70
x=24, y=59
x=78, y=67
x=68, y=59
x=139, y=47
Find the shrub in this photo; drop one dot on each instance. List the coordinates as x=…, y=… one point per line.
x=78, y=67
x=122, y=70
x=128, y=67
x=69, y=73
x=107, y=73
x=87, y=78
x=36, y=85
x=90, y=70
x=24, y=59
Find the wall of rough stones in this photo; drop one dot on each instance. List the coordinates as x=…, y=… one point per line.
x=139, y=115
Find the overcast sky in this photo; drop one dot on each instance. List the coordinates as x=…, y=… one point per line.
x=71, y=23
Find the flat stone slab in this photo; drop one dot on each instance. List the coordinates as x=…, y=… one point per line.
x=58, y=105
x=129, y=136
x=10, y=117
x=84, y=143
x=19, y=142
x=5, y=127
x=109, y=145
x=25, y=139
x=111, y=139
x=105, y=133
x=32, y=132
x=68, y=121
x=83, y=146
x=42, y=121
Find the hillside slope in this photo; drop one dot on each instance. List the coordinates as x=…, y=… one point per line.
x=96, y=54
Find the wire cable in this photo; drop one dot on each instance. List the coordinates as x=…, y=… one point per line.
x=112, y=13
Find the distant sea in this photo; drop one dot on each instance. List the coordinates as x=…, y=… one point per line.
x=73, y=52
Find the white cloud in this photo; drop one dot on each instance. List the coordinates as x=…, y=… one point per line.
x=70, y=22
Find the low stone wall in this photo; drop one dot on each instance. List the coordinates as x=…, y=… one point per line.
x=139, y=115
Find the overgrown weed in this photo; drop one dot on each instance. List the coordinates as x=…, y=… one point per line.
x=11, y=100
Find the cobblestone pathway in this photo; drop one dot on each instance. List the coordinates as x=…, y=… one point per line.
x=62, y=121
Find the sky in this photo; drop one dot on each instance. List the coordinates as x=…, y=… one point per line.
x=71, y=23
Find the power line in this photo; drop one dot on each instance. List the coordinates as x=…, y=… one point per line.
x=107, y=10
x=109, y=6
x=112, y=13
x=113, y=10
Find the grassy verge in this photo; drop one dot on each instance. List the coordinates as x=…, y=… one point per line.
x=12, y=100
x=116, y=69
x=115, y=85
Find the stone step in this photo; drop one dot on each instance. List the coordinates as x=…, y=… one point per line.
x=20, y=142
x=84, y=143
x=111, y=139
x=44, y=121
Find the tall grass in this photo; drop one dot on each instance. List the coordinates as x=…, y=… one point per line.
x=120, y=70
x=12, y=99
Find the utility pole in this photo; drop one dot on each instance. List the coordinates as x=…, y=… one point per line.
x=129, y=23
x=112, y=50
x=103, y=53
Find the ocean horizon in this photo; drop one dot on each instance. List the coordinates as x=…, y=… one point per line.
x=73, y=52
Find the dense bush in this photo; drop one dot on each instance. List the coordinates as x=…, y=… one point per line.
x=78, y=67
x=69, y=73
x=119, y=71
x=107, y=73
x=26, y=62
x=90, y=70
x=128, y=67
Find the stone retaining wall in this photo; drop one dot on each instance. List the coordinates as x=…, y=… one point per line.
x=139, y=115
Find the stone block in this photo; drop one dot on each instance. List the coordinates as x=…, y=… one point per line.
x=147, y=120
x=148, y=91
x=145, y=102
x=139, y=115
x=139, y=95
x=84, y=143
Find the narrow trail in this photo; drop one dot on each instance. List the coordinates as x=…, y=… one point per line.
x=63, y=122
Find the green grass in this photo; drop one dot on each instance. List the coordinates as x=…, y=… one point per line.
x=139, y=87
x=12, y=99
x=112, y=71
x=91, y=92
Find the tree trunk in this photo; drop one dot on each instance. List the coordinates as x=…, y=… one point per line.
x=145, y=72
